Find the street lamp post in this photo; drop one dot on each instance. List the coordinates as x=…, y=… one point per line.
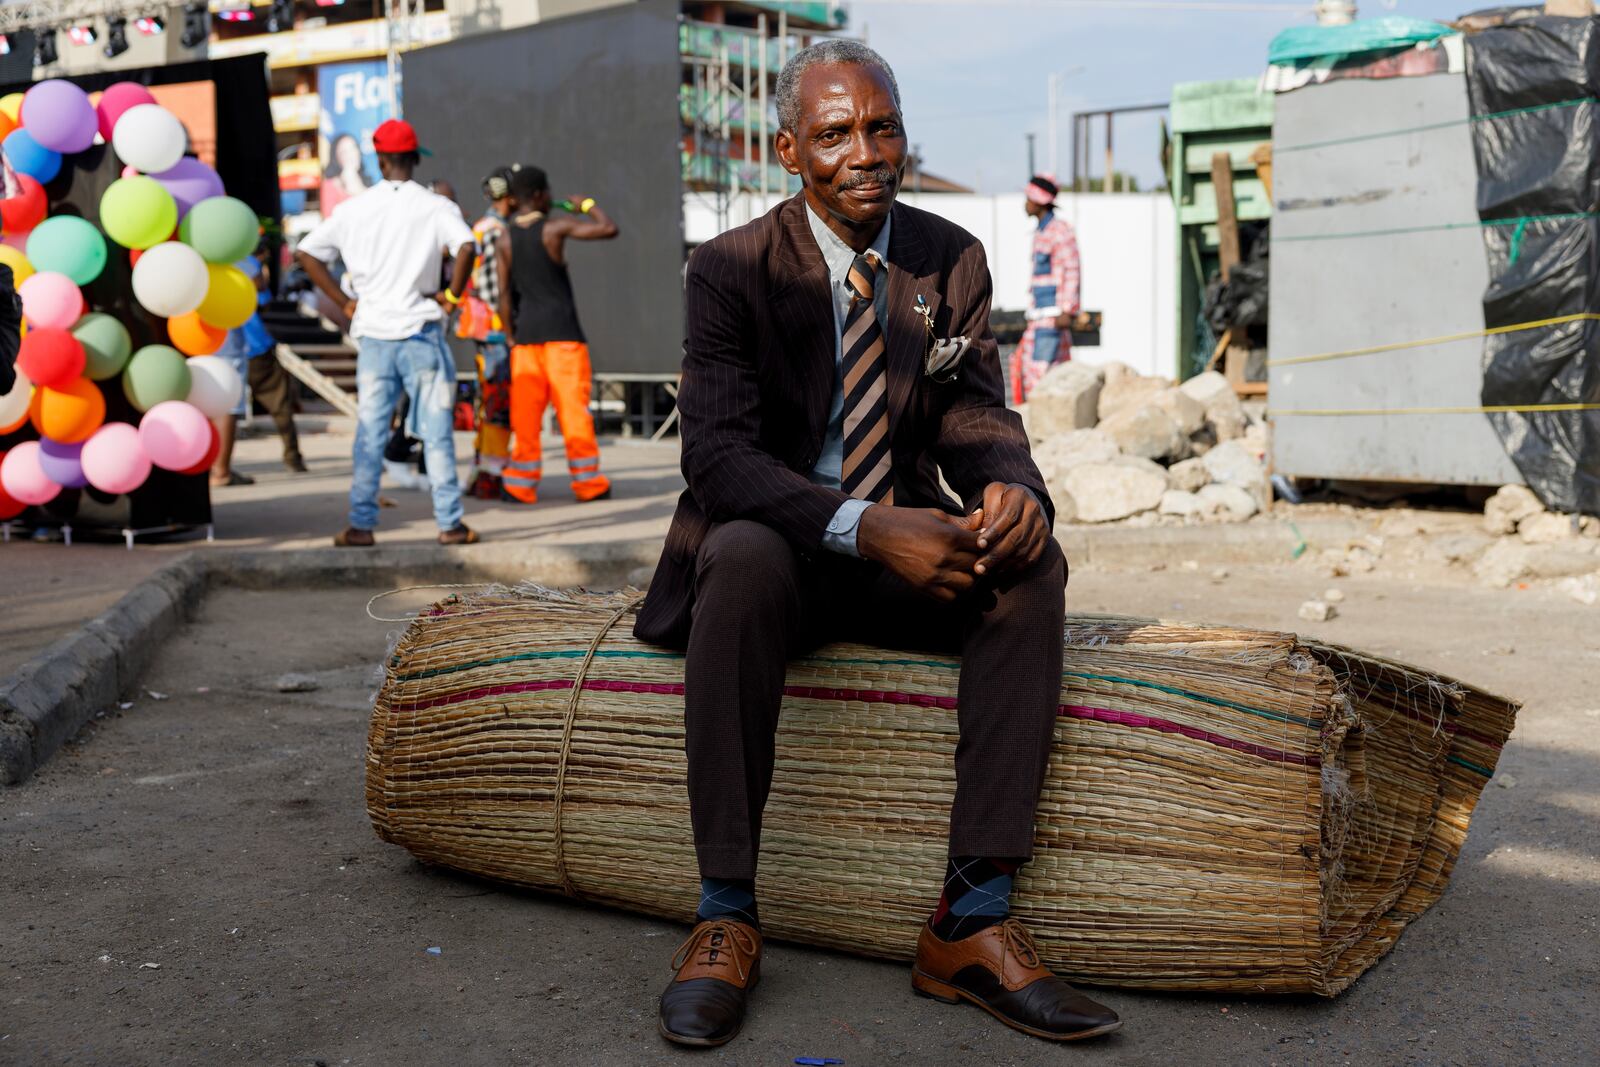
x=1052, y=151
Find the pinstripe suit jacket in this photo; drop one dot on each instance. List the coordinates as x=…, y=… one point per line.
x=758, y=377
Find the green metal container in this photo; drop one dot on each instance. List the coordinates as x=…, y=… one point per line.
x=1231, y=116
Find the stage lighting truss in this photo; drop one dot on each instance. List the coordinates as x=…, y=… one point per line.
x=42, y=15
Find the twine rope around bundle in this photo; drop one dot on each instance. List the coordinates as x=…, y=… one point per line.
x=566, y=741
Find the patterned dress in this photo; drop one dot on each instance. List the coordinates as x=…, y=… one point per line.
x=1054, y=290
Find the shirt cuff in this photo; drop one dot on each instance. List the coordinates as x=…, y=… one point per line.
x=840, y=536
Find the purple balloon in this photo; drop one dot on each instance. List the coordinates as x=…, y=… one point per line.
x=59, y=116
x=62, y=463
x=190, y=182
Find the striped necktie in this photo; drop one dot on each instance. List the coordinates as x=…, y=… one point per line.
x=867, y=472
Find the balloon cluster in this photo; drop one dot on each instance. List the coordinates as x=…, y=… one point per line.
x=183, y=235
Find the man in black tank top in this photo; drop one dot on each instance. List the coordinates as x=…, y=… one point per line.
x=550, y=357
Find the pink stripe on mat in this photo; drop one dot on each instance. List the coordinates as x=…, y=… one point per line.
x=877, y=696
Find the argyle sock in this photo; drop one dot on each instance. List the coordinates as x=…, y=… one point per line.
x=977, y=895
x=728, y=898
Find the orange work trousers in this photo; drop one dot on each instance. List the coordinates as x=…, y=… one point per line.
x=556, y=372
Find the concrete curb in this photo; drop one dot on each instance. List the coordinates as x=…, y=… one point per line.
x=54, y=694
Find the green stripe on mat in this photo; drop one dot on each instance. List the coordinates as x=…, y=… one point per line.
x=606, y=653
x=1486, y=772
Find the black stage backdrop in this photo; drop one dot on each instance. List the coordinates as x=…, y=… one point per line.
x=247, y=164
x=593, y=99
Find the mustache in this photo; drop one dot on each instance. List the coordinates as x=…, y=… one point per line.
x=885, y=176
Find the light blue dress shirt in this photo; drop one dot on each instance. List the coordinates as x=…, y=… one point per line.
x=840, y=535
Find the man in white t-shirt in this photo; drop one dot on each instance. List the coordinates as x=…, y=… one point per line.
x=392, y=237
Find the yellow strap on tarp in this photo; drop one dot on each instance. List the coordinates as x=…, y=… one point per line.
x=1495, y=409
x=1467, y=335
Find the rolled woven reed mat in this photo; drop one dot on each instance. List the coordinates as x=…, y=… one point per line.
x=1224, y=809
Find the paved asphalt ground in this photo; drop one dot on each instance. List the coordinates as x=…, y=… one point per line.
x=194, y=881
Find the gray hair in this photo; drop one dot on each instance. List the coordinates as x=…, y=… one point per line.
x=834, y=50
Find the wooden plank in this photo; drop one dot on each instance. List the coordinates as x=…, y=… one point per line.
x=1262, y=158
x=1227, y=222
x=318, y=382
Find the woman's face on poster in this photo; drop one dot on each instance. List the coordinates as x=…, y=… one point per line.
x=347, y=153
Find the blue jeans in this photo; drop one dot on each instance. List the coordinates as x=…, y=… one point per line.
x=421, y=366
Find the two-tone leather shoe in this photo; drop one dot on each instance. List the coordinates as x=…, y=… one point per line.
x=716, y=967
x=999, y=970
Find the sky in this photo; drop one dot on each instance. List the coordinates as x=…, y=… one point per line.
x=973, y=75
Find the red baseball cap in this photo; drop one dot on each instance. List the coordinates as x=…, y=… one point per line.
x=396, y=135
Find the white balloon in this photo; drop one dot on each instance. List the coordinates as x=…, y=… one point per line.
x=14, y=404
x=214, y=386
x=170, y=279
x=149, y=138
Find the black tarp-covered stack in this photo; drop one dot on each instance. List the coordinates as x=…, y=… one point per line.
x=1533, y=85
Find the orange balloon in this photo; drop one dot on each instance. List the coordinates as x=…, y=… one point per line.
x=7, y=124
x=69, y=414
x=193, y=336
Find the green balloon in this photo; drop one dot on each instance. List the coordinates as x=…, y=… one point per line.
x=222, y=229
x=106, y=345
x=68, y=245
x=156, y=373
x=138, y=212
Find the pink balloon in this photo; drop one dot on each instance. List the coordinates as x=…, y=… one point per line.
x=190, y=182
x=175, y=435
x=23, y=478
x=114, y=460
x=51, y=300
x=19, y=241
x=129, y=170
x=117, y=99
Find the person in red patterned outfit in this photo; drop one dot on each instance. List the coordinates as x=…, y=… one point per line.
x=1053, y=292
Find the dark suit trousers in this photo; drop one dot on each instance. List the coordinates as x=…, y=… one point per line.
x=758, y=603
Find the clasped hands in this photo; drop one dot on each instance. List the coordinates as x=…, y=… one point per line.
x=947, y=555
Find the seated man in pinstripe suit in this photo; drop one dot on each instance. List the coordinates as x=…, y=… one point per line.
x=816, y=424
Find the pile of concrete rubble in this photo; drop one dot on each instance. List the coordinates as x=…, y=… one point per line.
x=1113, y=444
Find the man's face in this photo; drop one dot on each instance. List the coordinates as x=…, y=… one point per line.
x=1035, y=210
x=849, y=147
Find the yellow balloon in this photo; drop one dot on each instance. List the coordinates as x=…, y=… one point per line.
x=21, y=269
x=11, y=104
x=230, y=297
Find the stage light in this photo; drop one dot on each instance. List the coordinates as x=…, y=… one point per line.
x=150, y=25
x=81, y=34
x=280, y=16
x=116, y=36
x=330, y=3
x=5, y=44
x=237, y=16
x=44, y=47
x=196, y=25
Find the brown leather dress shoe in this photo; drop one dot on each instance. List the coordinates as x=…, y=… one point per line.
x=717, y=967
x=999, y=970
x=460, y=534
x=354, y=537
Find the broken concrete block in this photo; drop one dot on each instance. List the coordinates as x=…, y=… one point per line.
x=1105, y=492
x=1147, y=431
x=1062, y=452
x=1066, y=399
x=1234, y=463
x=1179, y=502
x=297, y=683
x=1317, y=611
x=1229, y=503
x=1509, y=506
x=1190, y=475
x=1225, y=414
x=1125, y=387
x=1546, y=528
x=1585, y=590
x=1183, y=409
x=1508, y=561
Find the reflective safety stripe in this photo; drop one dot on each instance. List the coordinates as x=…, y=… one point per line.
x=584, y=465
x=582, y=476
x=520, y=479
